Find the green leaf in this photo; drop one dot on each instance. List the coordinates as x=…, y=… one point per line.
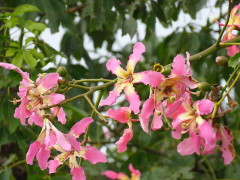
x=10, y=52
x=18, y=59
x=12, y=22
x=234, y=61
x=14, y=44
x=34, y=27
x=29, y=59
x=24, y=9
x=88, y=10
x=158, y=11
x=10, y=160
x=129, y=27
x=6, y=174
x=28, y=40
x=38, y=55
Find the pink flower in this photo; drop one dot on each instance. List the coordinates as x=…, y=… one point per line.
x=234, y=23
x=35, y=95
x=135, y=174
x=123, y=115
x=227, y=148
x=77, y=151
x=48, y=138
x=126, y=79
x=167, y=93
x=201, y=131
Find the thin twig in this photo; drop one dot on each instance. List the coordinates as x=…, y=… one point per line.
x=226, y=23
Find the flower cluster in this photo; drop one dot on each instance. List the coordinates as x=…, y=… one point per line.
x=170, y=98
x=33, y=97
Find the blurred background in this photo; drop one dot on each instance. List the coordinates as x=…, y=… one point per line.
x=82, y=36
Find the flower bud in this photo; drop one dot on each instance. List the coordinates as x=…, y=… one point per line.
x=221, y=60
x=205, y=86
x=62, y=71
x=158, y=67
x=167, y=70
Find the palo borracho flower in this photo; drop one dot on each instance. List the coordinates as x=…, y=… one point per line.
x=167, y=93
x=135, y=174
x=123, y=115
x=41, y=148
x=200, y=130
x=126, y=79
x=179, y=81
x=233, y=24
x=35, y=95
x=89, y=153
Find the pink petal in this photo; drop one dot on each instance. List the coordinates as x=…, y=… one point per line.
x=24, y=75
x=136, y=56
x=138, y=49
x=110, y=174
x=177, y=133
x=72, y=140
x=42, y=157
x=206, y=131
x=141, y=77
x=112, y=65
x=52, y=165
x=32, y=151
x=204, y=106
x=61, y=115
x=124, y=139
x=121, y=115
x=78, y=173
x=47, y=82
x=36, y=119
x=80, y=127
x=155, y=78
x=113, y=95
x=185, y=147
x=21, y=112
x=134, y=171
x=56, y=98
x=147, y=111
x=232, y=50
x=189, y=145
x=228, y=152
x=157, y=122
x=133, y=98
x=179, y=66
x=61, y=140
x=94, y=156
x=174, y=109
